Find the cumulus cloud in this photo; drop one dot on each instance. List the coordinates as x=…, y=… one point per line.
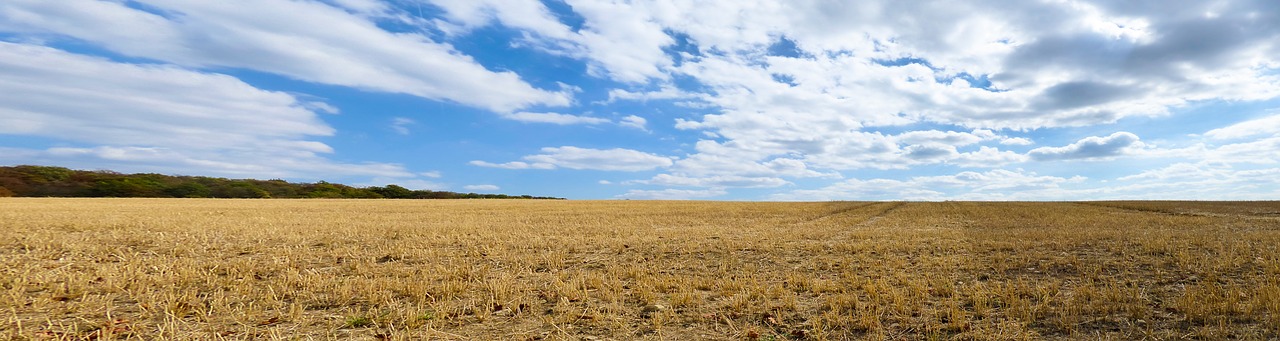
x=850, y=71
x=1089, y=148
x=951, y=138
x=617, y=159
x=281, y=37
x=782, y=90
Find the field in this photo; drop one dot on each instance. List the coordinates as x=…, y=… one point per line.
x=80, y=269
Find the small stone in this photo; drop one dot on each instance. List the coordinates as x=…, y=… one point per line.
x=650, y=309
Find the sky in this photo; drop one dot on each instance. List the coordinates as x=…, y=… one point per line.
x=807, y=100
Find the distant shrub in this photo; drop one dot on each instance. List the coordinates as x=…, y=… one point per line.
x=43, y=181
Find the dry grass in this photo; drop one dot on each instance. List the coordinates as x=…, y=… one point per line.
x=385, y=269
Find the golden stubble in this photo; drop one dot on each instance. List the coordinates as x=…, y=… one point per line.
x=104, y=269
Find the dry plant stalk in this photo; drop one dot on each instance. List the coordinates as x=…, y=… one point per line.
x=104, y=269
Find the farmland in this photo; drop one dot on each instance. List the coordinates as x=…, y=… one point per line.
x=529, y=270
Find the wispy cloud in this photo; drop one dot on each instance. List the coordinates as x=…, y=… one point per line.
x=553, y=118
x=401, y=125
x=482, y=188
x=616, y=159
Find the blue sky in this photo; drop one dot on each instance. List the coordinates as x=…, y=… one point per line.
x=715, y=100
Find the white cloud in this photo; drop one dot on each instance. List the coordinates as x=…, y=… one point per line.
x=531, y=15
x=616, y=159
x=672, y=194
x=1090, y=148
x=998, y=184
x=1204, y=180
x=281, y=37
x=951, y=138
x=1182, y=170
x=722, y=181
x=155, y=118
x=553, y=118
x=1261, y=151
x=712, y=158
x=371, y=7
x=857, y=189
x=793, y=89
x=513, y=165
x=401, y=125
x=634, y=121
x=49, y=92
x=484, y=188
x=622, y=42
x=1016, y=141
x=431, y=174
x=854, y=69
x=618, y=42
x=1269, y=125
x=630, y=121
x=667, y=92
x=987, y=157
x=1179, y=181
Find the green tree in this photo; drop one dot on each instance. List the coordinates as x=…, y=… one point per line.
x=189, y=190
x=324, y=190
x=127, y=188
x=393, y=192
x=42, y=174
x=240, y=189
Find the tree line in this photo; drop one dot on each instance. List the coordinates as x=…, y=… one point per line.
x=46, y=181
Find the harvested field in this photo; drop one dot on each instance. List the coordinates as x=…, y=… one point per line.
x=529, y=270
